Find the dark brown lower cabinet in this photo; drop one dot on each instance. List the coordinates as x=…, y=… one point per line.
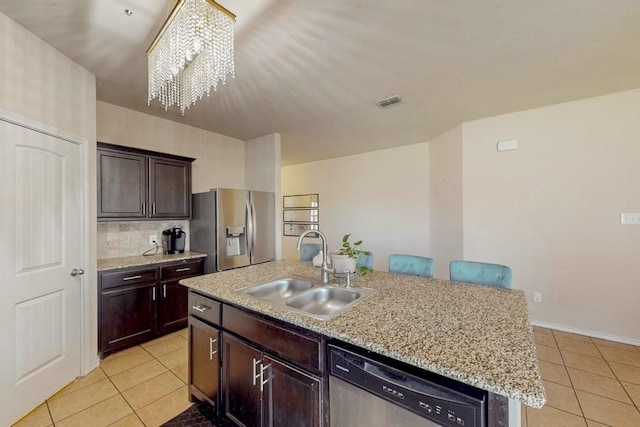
x=127, y=316
x=140, y=303
x=290, y=397
x=240, y=381
x=260, y=390
x=173, y=310
x=204, y=362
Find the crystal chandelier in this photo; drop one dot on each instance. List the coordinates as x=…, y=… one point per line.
x=192, y=53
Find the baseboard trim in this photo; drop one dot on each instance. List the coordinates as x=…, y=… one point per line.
x=93, y=365
x=587, y=333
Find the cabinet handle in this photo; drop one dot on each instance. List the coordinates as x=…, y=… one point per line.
x=164, y=291
x=263, y=382
x=211, y=350
x=144, y=208
x=153, y=293
x=131, y=278
x=201, y=308
x=255, y=374
x=153, y=208
x=178, y=270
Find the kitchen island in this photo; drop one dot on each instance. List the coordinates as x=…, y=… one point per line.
x=477, y=335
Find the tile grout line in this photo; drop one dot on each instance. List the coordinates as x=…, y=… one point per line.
x=618, y=379
x=127, y=402
x=46, y=402
x=150, y=403
x=121, y=392
x=575, y=394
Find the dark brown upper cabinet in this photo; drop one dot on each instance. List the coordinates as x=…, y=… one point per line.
x=138, y=184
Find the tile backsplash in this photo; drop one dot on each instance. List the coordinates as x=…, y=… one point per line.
x=130, y=238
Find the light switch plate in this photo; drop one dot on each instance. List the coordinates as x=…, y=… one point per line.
x=630, y=218
x=510, y=144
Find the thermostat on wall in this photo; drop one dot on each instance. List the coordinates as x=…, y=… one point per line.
x=510, y=144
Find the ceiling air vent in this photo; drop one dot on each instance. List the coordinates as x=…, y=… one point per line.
x=388, y=102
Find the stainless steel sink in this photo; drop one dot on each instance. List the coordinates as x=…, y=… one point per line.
x=278, y=290
x=308, y=297
x=323, y=301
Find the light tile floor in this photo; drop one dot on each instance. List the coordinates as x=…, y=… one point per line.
x=589, y=382
x=145, y=385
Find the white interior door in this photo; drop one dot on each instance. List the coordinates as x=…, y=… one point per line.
x=41, y=226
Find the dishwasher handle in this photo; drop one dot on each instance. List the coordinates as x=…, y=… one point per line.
x=389, y=375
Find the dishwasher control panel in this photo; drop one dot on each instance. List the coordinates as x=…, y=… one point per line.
x=438, y=402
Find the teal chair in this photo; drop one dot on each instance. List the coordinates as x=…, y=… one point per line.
x=309, y=250
x=365, y=261
x=411, y=264
x=481, y=273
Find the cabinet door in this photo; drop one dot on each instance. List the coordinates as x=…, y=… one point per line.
x=241, y=365
x=204, y=361
x=122, y=184
x=290, y=397
x=173, y=306
x=127, y=316
x=169, y=188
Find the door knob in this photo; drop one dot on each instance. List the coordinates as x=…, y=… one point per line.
x=77, y=272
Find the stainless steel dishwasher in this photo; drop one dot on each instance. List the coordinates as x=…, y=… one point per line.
x=369, y=393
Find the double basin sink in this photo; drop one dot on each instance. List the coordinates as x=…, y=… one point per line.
x=307, y=296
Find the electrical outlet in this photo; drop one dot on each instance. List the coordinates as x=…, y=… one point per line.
x=537, y=297
x=153, y=238
x=630, y=218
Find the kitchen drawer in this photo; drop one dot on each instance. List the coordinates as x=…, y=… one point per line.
x=181, y=270
x=302, y=349
x=128, y=277
x=204, y=308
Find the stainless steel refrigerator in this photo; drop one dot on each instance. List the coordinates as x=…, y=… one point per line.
x=235, y=228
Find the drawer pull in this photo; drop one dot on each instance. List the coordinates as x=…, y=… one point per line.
x=256, y=375
x=263, y=382
x=211, y=350
x=201, y=308
x=178, y=270
x=131, y=278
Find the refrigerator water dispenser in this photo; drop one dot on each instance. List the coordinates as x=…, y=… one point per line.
x=235, y=240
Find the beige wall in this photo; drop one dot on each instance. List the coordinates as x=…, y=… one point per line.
x=263, y=174
x=220, y=160
x=381, y=197
x=41, y=84
x=445, y=166
x=551, y=209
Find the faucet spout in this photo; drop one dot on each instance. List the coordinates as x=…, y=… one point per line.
x=325, y=267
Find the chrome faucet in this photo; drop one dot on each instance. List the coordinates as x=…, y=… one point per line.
x=325, y=270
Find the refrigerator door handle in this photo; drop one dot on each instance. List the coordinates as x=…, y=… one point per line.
x=254, y=226
x=249, y=235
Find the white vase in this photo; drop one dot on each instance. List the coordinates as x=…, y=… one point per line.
x=342, y=263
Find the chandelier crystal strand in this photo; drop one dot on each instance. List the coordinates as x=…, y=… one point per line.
x=192, y=55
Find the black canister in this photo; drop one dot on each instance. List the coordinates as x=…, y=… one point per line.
x=166, y=241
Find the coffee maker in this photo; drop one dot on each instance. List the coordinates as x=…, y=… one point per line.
x=173, y=240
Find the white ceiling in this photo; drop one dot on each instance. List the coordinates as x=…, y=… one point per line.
x=311, y=69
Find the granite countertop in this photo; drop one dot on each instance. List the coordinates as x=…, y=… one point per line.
x=136, y=261
x=478, y=335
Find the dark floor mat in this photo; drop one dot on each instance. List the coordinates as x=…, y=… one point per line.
x=198, y=415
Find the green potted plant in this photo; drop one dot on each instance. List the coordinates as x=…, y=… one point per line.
x=347, y=257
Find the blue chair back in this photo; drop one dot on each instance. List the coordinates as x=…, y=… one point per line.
x=481, y=273
x=411, y=264
x=309, y=250
x=365, y=260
